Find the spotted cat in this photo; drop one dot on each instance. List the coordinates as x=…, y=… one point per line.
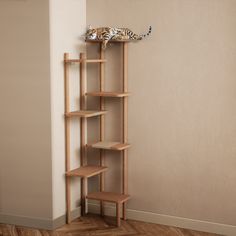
x=109, y=33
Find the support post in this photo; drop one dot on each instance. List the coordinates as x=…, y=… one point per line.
x=83, y=131
x=118, y=214
x=67, y=138
x=102, y=126
x=125, y=126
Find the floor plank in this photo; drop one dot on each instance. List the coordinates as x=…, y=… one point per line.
x=92, y=225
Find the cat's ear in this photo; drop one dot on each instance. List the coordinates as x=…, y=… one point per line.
x=89, y=27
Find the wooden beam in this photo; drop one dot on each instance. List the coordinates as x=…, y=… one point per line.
x=125, y=126
x=83, y=131
x=67, y=139
x=102, y=125
x=118, y=214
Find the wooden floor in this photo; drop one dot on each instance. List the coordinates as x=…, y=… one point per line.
x=95, y=226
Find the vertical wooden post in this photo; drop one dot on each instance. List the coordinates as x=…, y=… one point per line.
x=118, y=214
x=102, y=126
x=67, y=138
x=83, y=131
x=125, y=126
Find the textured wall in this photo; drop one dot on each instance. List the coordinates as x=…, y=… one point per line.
x=25, y=132
x=182, y=110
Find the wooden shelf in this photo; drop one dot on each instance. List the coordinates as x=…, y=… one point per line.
x=108, y=197
x=95, y=61
x=110, y=41
x=85, y=113
x=110, y=145
x=86, y=171
x=108, y=94
x=85, y=60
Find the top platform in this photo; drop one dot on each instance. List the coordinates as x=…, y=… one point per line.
x=110, y=41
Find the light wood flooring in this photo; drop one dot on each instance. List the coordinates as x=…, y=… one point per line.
x=92, y=225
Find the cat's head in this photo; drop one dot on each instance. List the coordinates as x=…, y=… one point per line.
x=91, y=33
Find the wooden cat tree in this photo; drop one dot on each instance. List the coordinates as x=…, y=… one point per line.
x=85, y=171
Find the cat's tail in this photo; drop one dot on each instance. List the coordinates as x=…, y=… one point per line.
x=145, y=35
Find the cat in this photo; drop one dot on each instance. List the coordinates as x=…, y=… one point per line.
x=109, y=33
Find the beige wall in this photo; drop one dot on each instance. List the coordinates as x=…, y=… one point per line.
x=67, y=24
x=182, y=111
x=25, y=133
x=34, y=36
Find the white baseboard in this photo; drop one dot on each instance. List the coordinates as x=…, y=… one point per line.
x=150, y=217
x=26, y=221
x=39, y=223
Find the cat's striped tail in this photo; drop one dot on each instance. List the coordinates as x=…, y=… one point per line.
x=147, y=34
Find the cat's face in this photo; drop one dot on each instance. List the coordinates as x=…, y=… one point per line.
x=91, y=33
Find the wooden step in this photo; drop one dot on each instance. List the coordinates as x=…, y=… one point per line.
x=109, y=145
x=85, y=61
x=108, y=94
x=110, y=41
x=87, y=171
x=85, y=113
x=108, y=197
x=95, y=60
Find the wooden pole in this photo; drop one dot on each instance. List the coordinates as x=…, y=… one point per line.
x=83, y=131
x=67, y=138
x=118, y=214
x=125, y=126
x=102, y=126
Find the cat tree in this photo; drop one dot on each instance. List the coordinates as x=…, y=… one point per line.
x=86, y=171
